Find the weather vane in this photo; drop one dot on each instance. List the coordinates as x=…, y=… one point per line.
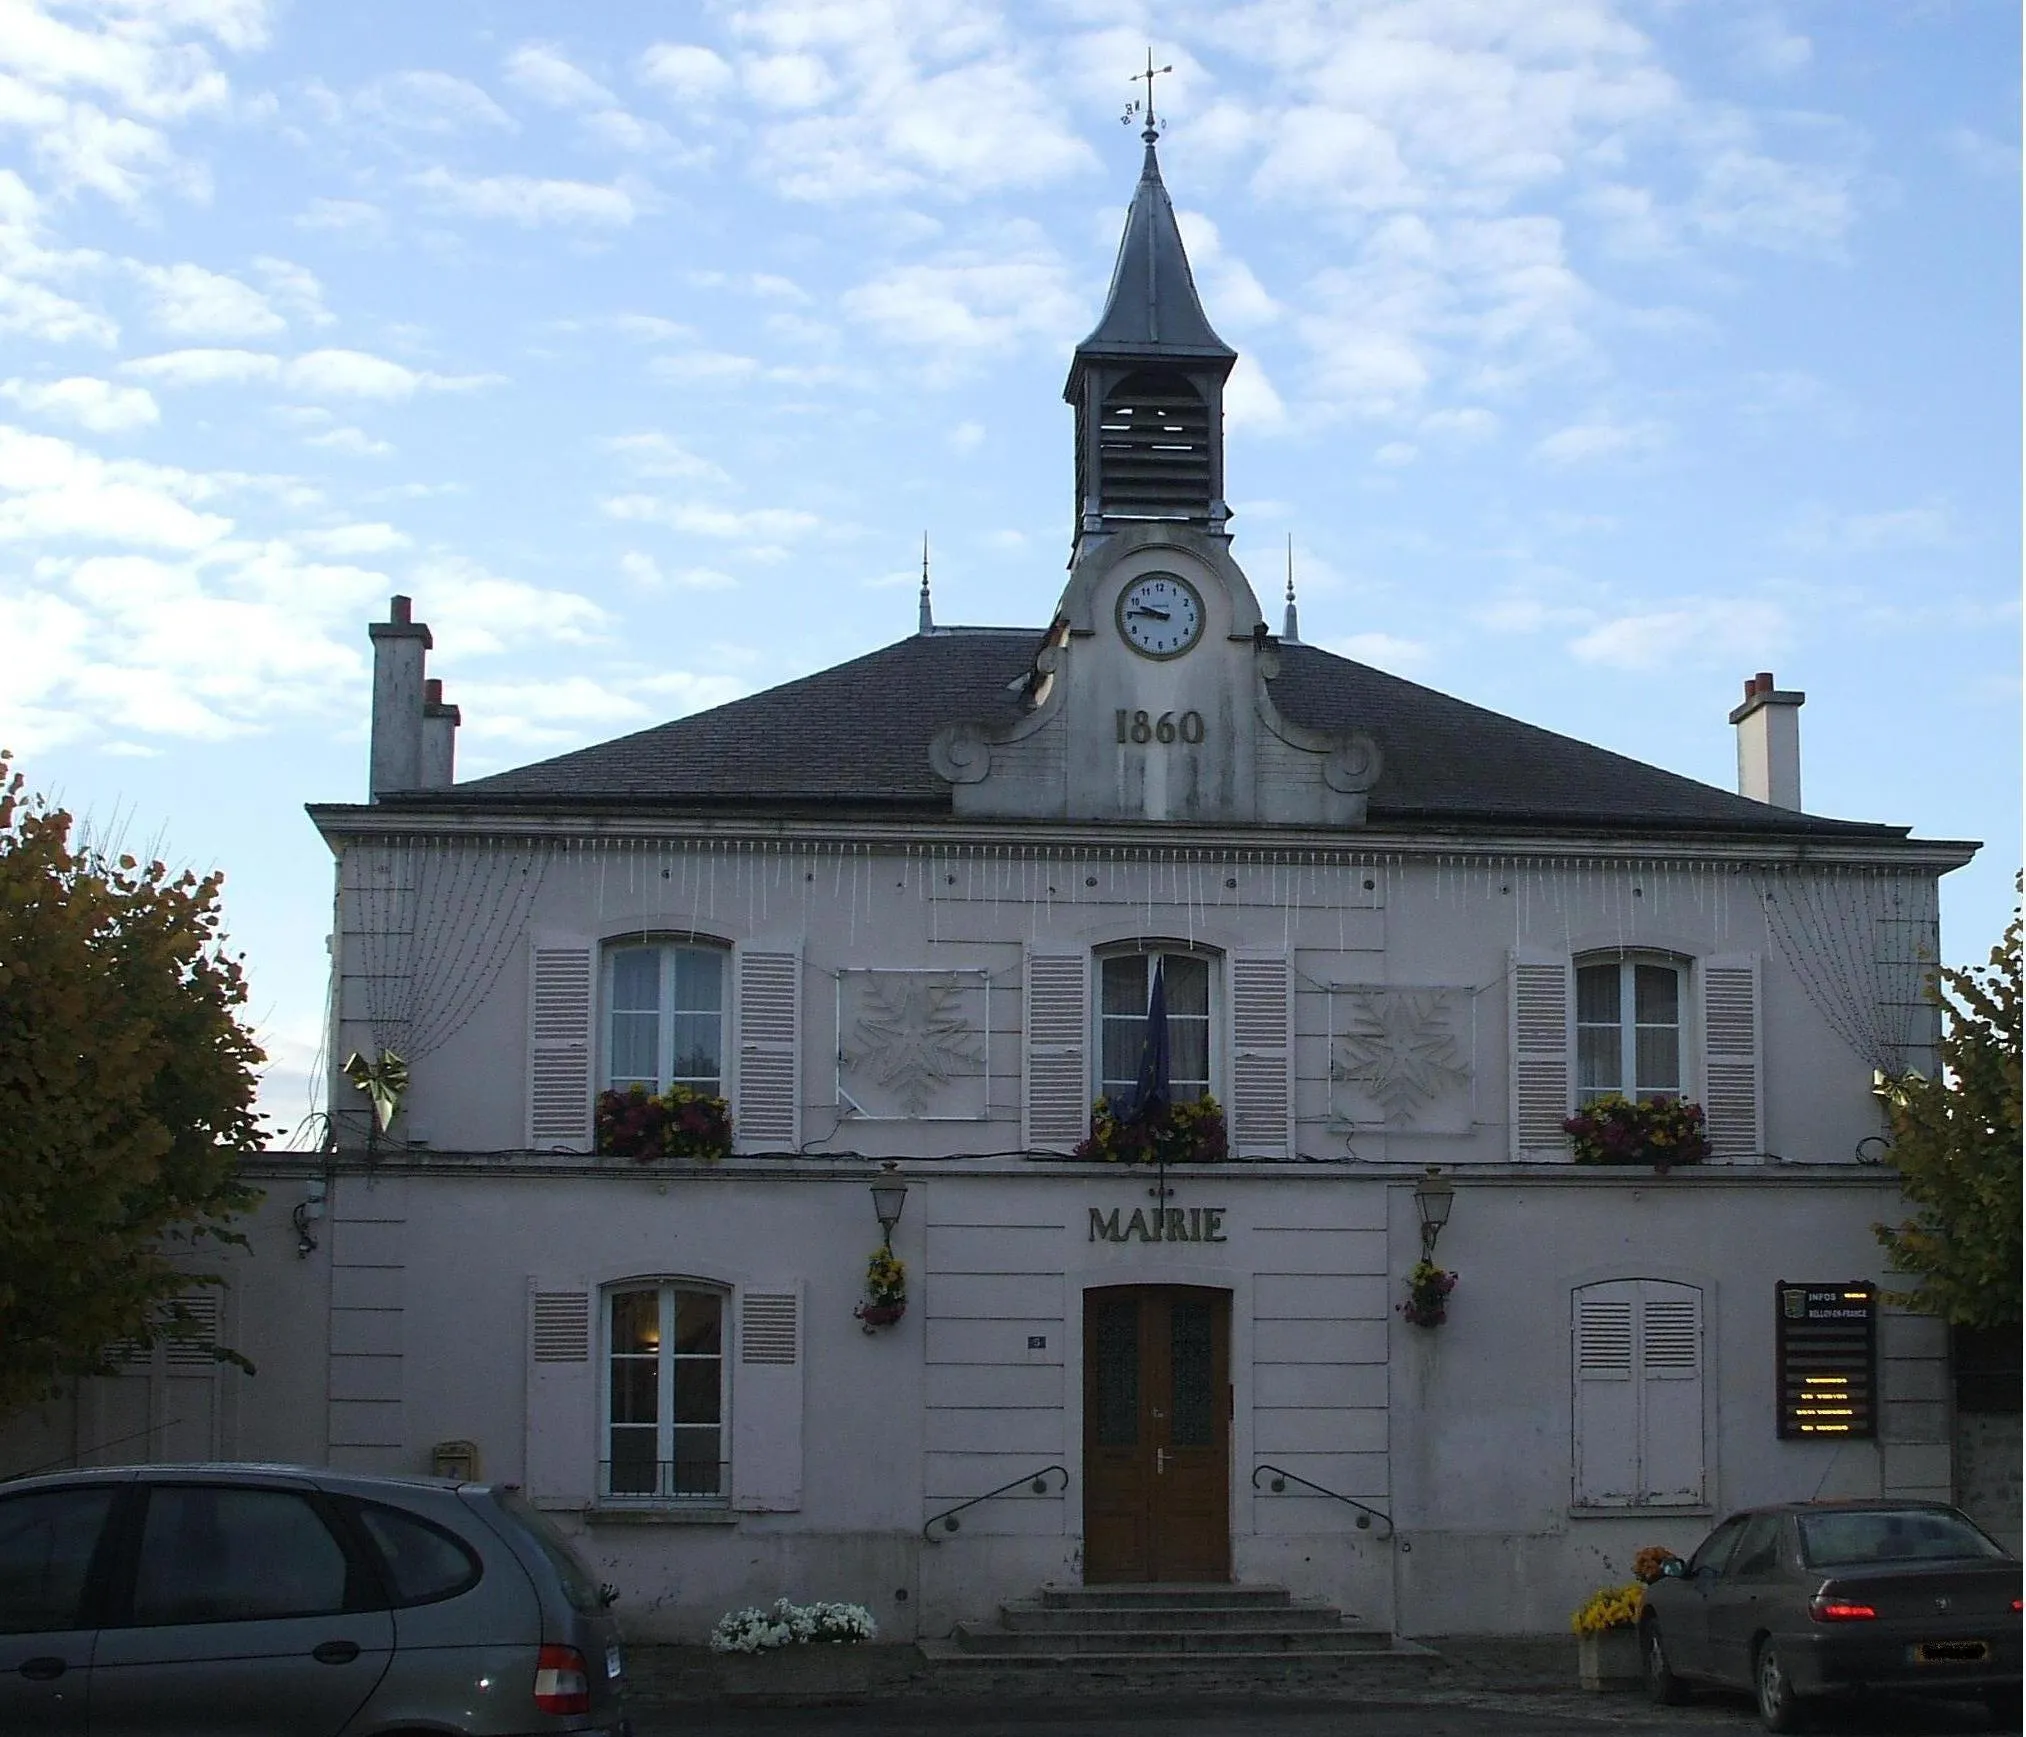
x=1153, y=127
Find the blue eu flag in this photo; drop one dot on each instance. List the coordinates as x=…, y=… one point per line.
x=1151, y=1090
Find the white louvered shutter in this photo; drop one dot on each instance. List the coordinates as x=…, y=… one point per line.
x=1055, y=1090
x=1539, y=1011
x=1670, y=1379
x=766, y=1389
x=561, y=1426
x=1730, y=1058
x=1607, y=1395
x=562, y=984
x=767, y=1109
x=1262, y=1055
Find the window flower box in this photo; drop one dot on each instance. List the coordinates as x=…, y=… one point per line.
x=1190, y=1133
x=1662, y=1132
x=680, y=1123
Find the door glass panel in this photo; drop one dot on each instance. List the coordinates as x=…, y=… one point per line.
x=1192, y=1324
x=213, y=1554
x=46, y=1541
x=1759, y=1548
x=1118, y=1372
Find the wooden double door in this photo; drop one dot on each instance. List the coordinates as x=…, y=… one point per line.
x=1156, y=1433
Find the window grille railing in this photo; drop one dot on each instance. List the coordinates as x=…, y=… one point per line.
x=704, y=1482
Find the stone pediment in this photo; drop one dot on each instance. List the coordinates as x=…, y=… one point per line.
x=1171, y=721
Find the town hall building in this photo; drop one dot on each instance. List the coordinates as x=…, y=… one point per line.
x=899, y=923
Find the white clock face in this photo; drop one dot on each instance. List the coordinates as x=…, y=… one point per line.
x=1160, y=615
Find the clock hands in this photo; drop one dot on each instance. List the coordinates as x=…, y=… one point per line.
x=1144, y=609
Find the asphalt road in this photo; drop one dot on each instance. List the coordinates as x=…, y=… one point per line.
x=1434, y=1714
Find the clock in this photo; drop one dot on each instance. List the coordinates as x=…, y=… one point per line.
x=1160, y=615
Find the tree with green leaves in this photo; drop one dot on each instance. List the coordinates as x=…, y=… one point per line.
x=1955, y=1142
x=126, y=1096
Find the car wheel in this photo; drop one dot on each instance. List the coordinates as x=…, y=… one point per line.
x=1665, y=1688
x=1779, y=1707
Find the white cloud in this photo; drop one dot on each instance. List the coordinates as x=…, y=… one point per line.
x=527, y=200
x=52, y=490
x=1465, y=425
x=1603, y=438
x=967, y=437
x=643, y=570
x=699, y=367
x=98, y=405
x=972, y=302
x=1982, y=155
x=1763, y=44
x=758, y=524
x=473, y=611
x=434, y=103
x=653, y=454
x=1384, y=650
x=296, y=288
x=354, y=539
x=1250, y=400
x=1699, y=629
x=541, y=71
x=346, y=216
x=685, y=71
x=1396, y=454
x=33, y=310
x=1820, y=530
x=205, y=367
x=355, y=374
x=189, y=301
x=353, y=442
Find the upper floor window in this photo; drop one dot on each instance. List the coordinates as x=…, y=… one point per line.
x=1127, y=981
x=1628, y=1028
x=665, y=1017
x=665, y=1393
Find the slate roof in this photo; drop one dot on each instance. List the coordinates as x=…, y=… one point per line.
x=854, y=739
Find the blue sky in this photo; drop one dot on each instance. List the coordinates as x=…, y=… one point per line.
x=1596, y=353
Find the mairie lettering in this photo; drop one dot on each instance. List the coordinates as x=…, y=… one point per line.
x=1161, y=1224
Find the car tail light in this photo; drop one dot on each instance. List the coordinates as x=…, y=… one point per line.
x=1840, y=1610
x=2015, y=1604
x=562, y=1681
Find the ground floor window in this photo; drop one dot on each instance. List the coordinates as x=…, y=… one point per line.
x=665, y=1393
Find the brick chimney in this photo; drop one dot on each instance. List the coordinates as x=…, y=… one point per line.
x=439, y=738
x=1769, y=742
x=399, y=645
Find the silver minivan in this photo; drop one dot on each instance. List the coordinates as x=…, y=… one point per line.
x=252, y=1600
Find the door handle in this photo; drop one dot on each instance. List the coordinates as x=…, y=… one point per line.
x=1160, y=1461
x=338, y=1652
x=44, y=1669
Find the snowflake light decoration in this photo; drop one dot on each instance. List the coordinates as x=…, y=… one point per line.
x=1400, y=1050
x=912, y=1038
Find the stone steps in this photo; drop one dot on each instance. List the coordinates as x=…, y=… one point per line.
x=1092, y=1638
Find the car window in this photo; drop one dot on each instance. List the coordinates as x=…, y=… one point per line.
x=1891, y=1535
x=46, y=1542
x=422, y=1562
x=212, y=1553
x=1714, y=1553
x=578, y=1586
x=1759, y=1548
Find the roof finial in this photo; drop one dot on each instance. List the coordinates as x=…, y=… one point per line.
x=1291, y=632
x=1152, y=130
x=928, y=620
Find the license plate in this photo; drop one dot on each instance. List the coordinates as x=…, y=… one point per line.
x=612, y=1662
x=1952, y=1652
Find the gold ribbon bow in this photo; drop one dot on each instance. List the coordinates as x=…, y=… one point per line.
x=382, y=1081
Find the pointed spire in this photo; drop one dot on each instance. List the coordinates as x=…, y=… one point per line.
x=1291, y=631
x=928, y=620
x=1153, y=309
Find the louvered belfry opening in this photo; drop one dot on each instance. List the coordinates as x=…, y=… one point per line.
x=1154, y=449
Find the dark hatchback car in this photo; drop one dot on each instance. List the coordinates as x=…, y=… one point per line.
x=256, y=1600
x=1811, y=1600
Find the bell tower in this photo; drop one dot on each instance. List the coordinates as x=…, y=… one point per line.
x=1147, y=385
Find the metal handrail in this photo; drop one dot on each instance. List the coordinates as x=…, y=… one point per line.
x=1282, y=1476
x=1036, y=1481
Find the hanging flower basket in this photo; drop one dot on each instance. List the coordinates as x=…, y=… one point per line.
x=680, y=1123
x=1662, y=1132
x=1191, y=1133
x=885, y=1291
x=1428, y=1288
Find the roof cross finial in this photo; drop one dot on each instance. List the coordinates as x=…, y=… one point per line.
x=1152, y=130
x=1291, y=631
x=928, y=620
